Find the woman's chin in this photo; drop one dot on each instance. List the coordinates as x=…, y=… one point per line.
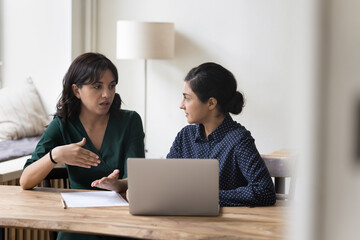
x=190, y=121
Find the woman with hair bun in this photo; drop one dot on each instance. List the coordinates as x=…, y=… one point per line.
x=210, y=94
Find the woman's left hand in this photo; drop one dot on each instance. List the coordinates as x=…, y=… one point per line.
x=111, y=182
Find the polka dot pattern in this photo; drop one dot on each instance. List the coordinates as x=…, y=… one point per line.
x=243, y=177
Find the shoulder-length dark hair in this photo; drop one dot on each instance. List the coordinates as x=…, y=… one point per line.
x=212, y=80
x=85, y=69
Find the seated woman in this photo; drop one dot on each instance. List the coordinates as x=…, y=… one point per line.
x=210, y=94
x=89, y=133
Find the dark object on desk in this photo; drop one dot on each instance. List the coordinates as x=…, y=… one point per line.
x=11, y=149
x=281, y=165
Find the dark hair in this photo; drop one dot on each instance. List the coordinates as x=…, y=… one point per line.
x=85, y=69
x=212, y=80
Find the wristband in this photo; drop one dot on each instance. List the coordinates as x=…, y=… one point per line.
x=51, y=159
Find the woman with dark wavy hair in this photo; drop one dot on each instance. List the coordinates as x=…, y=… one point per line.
x=89, y=132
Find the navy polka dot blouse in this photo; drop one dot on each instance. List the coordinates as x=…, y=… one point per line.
x=244, y=178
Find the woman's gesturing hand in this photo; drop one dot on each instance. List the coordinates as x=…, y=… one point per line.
x=74, y=154
x=111, y=182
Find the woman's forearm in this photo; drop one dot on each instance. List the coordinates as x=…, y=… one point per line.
x=36, y=172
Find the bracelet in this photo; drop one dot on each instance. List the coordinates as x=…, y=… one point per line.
x=51, y=159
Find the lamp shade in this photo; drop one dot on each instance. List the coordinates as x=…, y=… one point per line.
x=145, y=40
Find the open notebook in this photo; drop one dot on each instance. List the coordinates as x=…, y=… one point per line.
x=93, y=199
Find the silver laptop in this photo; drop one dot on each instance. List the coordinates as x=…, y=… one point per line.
x=173, y=186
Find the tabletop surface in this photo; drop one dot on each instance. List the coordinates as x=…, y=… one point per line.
x=41, y=208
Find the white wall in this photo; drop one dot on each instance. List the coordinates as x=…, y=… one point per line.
x=253, y=39
x=36, y=39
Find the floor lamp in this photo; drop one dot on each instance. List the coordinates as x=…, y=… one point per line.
x=145, y=40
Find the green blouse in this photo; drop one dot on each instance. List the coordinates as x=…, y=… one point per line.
x=124, y=138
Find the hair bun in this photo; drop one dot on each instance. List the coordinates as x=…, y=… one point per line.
x=236, y=103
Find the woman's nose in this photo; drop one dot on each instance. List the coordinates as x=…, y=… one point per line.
x=105, y=93
x=182, y=105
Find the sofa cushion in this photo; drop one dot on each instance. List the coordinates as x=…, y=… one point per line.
x=22, y=113
x=10, y=149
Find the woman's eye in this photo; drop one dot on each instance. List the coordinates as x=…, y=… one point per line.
x=97, y=86
x=112, y=86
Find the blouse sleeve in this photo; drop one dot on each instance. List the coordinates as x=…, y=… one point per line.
x=260, y=189
x=50, y=139
x=174, y=150
x=134, y=144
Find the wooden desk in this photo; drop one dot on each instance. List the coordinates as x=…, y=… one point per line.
x=42, y=209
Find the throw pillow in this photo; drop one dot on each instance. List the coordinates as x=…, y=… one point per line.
x=22, y=113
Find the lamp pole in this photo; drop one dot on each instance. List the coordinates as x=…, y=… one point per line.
x=145, y=103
